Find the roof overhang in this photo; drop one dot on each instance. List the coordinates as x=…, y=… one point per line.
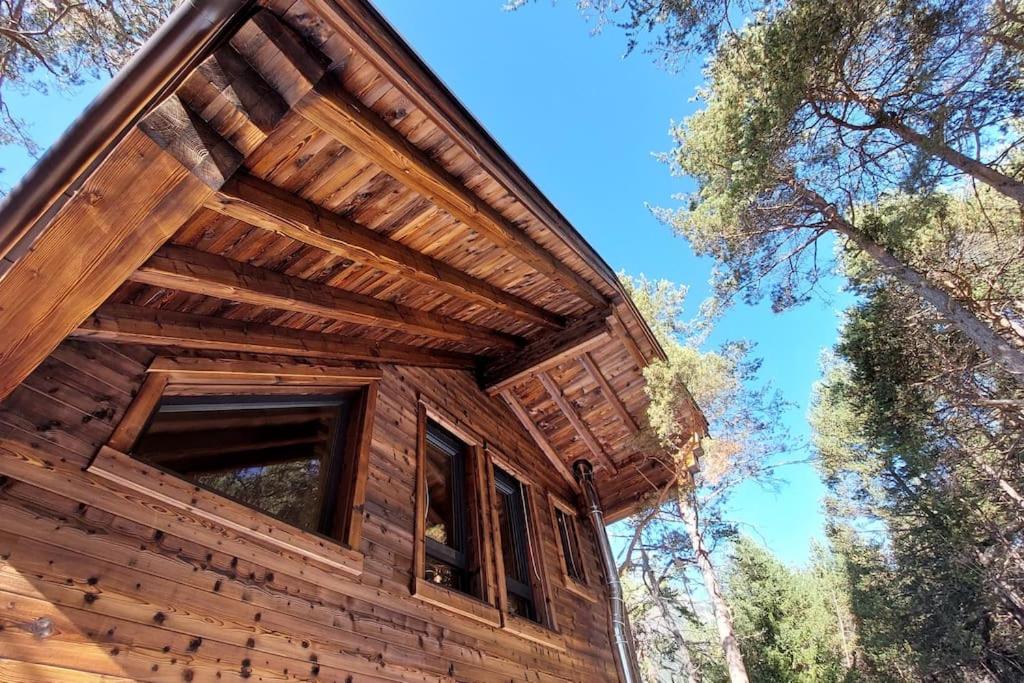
x=291, y=179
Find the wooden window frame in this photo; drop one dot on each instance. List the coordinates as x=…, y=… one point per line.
x=582, y=589
x=231, y=377
x=545, y=632
x=481, y=609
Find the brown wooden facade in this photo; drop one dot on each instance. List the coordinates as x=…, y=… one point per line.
x=308, y=212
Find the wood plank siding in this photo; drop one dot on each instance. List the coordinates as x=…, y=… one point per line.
x=127, y=587
x=308, y=213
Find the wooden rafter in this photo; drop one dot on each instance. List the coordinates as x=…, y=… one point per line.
x=576, y=421
x=132, y=205
x=185, y=370
x=261, y=204
x=606, y=390
x=120, y=323
x=154, y=180
x=547, y=352
x=197, y=272
x=620, y=332
x=338, y=113
x=538, y=437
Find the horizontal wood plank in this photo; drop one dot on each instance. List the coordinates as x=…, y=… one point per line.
x=335, y=111
x=259, y=203
x=125, y=324
x=456, y=602
x=197, y=272
x=184, y=370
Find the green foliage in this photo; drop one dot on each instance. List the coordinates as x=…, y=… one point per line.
x=58, y=44
x=788, y=621
x=722, y=383
x=815, y=96
x=918, y=438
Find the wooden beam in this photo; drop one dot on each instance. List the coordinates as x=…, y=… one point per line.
x=190, y=140
x=576, y=421
x=130, y=206
x=259, y=203
x=124, y=324
x=197, y=272
x=141, y=409
x=547, y=352
x=184, y=370
x=606, y=390
x=156, y=177
x=338, y=113
x=538, y=436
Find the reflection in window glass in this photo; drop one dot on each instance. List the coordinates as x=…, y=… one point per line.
x=280, y=456
x=447, y=543
x=515, y=545
x=570, y=545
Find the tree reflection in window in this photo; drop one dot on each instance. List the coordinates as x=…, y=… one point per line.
x=448, y=547
x=279, y=455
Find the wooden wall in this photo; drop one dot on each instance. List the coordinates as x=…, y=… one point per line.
x=97, y=583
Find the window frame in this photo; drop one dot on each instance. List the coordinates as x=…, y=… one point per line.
x=219, y=380
x=521, y=542
x=583, y=588
x=545, y=630
x=331, y=519
x=456, y=555
x=481, y=608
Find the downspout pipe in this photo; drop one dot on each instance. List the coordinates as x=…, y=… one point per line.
x=622, y=640
x=180, y=43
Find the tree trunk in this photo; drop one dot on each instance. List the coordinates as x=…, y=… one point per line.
x=1000, y=182
x=654, y=588
x=1011, y=600
x=1006, y=487
x=991, y=344
x=723, y=616
x=844, y=639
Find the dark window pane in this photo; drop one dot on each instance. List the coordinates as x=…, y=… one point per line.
x=447, y=543
x=515, y=544
x=570, y=545
x=290, y=490
x=444, y=574
x=277, y=455
x=443, y=484
x=521, y=607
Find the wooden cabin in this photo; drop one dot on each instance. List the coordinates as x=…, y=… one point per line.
x=295, y=369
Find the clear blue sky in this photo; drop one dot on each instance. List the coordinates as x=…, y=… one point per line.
x=583, y=122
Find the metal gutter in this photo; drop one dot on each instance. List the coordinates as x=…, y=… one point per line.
x=156, y=69
x=622, y=640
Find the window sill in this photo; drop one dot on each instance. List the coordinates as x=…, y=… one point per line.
x=531, y=630
x=175, y=492
x=454, y=601
x=578, y=589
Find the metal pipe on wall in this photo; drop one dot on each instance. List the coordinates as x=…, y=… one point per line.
x=625, y=656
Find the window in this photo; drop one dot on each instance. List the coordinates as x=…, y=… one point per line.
x=447, y=537
x=453, y=557
x=273, y=451
x=515, y=545
x=280, y=455
x=574, y=573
